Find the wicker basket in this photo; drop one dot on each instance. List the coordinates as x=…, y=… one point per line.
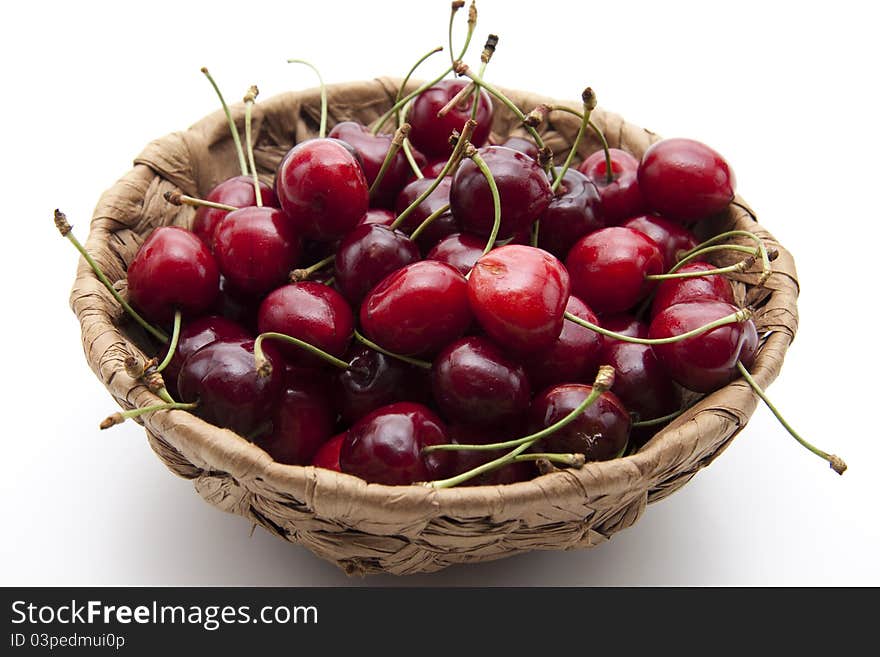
x=370, y=528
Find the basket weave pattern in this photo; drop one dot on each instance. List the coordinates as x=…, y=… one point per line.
x=370, y=528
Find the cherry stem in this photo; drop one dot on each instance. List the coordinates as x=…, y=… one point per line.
x=232, y=129
x=119, y=418
x=147, y=374
x=742, y=265
x=837, y=464
x=589, y=98
x=396, y=142
x=456, y=99
x=406, y=79
x=570, y=460
x=456, y=5
x=322, y=130
x=403, y=101
x=249, y=99
x=176, y=198
x=264, y=366
x=299, y=275
x=604, y=380
x=172, y=345
x=410, y=158
x=443, y=209
x=485, y=56
x=425, y=365
x=472, y=25
x=653, y=422
x=472, y=153
x=66, y=230
x=766, y=269
x=733, y=318
x=609, y=173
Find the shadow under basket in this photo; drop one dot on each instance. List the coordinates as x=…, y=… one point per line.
x=370, y=528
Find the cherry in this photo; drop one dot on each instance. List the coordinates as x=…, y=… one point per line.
x=681, y=290
x=640, y=382
x=173, y=270
x=573, y=357
x=322, y=189
x=574, y=211
x=460, y=250
x=385, y=447
x=435, y=168
x=522, y=185
x=469, y=459
x=608, y=268
x=417, y=309
x=518, y=295
x=621, y=196
x=327, y=456
x=600, y=432
x=222, y=378
x=522, y=145
x=685, y=180
x=672, y=238
x=373, y=149
x=312, y=312
x=624, y=324
x=474, y=382
x=303, y=419
x=705, y=362
x=445, y=224
x=256, y=248
x=379, y=216
x=237, y=192
x=367, y=255
x=430, y=133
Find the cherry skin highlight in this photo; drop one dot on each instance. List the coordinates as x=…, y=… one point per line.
x=573, y=212
x=237, y=192
x=430, y=133
x=460, y=250
x=327, y=456
x=621, y=198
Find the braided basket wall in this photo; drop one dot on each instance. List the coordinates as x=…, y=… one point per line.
x=370, y=528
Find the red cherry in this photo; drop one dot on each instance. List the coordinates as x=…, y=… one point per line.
x=172, y=270
x=640, y=382
x=624, y=324
x=367, y=255
x=707, y=361
x=608, y=268
x=321, y=187
x=256, y=248
x=240, y=307
x=460, y=250
x=430, y=133
x=573, y=212
x=522, y=186
x=672, y=238
x=518, y=295
x=682, y=290
x=523, y=145
x=385, y=447
x=685, y=180
x=327, y=456
x=442, y=226
x=237, y=192
x=303, y=420
x=417, y=309
x=469, y=459
x=377, y=216
x=312, y=312
x=435, y=168
x=621, y=197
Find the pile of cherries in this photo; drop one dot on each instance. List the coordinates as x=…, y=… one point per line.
x=430, y=306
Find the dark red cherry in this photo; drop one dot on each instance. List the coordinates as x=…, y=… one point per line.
x=430, y=133
x=685, y=180
x=599, y=433
x=256, y=248
x=385, y=447
x=522, y=186
x=379, y=216
x=417, y=309
x=704, y=362
x=672, y=238
x=573, y=212
x=608, y=268
x=468, y=459
x=574, y=357
x=237, y=192
x=523, y=145
x=474, y=382
x=683, y=290
x=435, y=168
x=367, y=255
x=460, y=250
x=373, y=149
x=442, y=226
x=303, y=419
x=312, y=312
x=518, y=295
x=322, y=189
x=625, y=324
x=327, y=456
x=240, y=307
x=222, y=377
x=640, y=382
x=620, y=198
x=172, y=270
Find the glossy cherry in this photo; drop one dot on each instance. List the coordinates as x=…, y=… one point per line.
x=385, y=447
x=367, y=255
x=379, y=216
x=621, y=198
x=522, y=186
x=430, y=133
x=608, y=268
x=523, y=145
x=303, y=419
x=475, y=383
x=672, y=238
x=599, y=433
x=322, y=189
x=418, y=309
x=435, y=168
x=442, y=226
x=461, y=250
x=700, y=288
x=640, y=382
x=237, y=192
x=312, y=312
x=625, y=324
x=172, y=270
x=518, y=295
x=574, y=211
x=704, y=362
x=256, y=248
x=327, y=456
x=685, y=180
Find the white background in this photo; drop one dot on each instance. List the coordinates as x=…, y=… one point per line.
x=786, y=91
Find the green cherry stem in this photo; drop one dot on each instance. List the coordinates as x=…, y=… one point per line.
x=176, y=198
x=742, y=265
x=66, y=230
x=570, y=460
x=232, y=129
x=119, y=418
x=456, y=5
x=322, y=130
x=423, y=364
x=172, y=345
x=657, y=421
x=589, y=100
x=837, y=464
x=471, y=26
x=397, y=141
x=403, y=101
x=472, y=153
x=249, y=98
x=410, y=158
x=405, y=80
x=609, y=174
x=299, y=275
x=766, y=269
x=264, y=366
x=443, y=209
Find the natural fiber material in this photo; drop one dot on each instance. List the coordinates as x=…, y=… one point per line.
x=369, y=528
